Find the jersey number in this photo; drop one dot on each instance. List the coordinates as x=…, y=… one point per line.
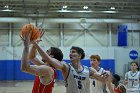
x=79, y=85
x=132, y=83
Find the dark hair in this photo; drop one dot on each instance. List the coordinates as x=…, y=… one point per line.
x=95, y=57
x=117, y=77
x=57, y=53
x=135, y=63
x=79, y=51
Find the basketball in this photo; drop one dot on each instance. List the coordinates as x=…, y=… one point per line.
x=35, y=34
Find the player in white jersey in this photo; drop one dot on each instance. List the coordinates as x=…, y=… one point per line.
x=75, y=74
x=77, y=79
x=95, y=85
x=132, y=79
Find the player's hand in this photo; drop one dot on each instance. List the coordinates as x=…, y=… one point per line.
x=108, y=80
x=26, y=39
x=41, y=34
x=105, y=75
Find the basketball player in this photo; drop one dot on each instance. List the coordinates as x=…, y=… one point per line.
x=75, y=74
x=132, y=79
x=95, y=85
x=118, y=87
x=45, y=74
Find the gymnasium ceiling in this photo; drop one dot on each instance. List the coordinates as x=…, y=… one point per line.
x=125, y=9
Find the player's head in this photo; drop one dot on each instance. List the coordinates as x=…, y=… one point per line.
x=76, y=52
x=95, y=60
x=116, y=78
x=134, y=65
x=55, y=52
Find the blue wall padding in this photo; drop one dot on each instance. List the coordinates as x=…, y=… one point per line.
x=3, y=70
x=10, y=69
x=108, y=64
x=19, y=75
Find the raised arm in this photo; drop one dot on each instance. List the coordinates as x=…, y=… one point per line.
x=25, y=55
x=42, y=70
x=33, y=52
x=55, y=63
x=33, y=58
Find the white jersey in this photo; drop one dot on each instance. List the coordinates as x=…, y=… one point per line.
x=97, y=86
x=133, y=85
x=77, y=82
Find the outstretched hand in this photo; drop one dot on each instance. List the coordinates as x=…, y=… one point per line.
x=26, y=39
x=41, y=34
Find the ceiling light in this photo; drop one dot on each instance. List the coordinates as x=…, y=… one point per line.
x=85, y=11
x=7, y=10
x=112, y=8
x=6, y=6
x=74, y=11
x=85, y=7
x=63, y=10
x=109, y=11
x=64, y=7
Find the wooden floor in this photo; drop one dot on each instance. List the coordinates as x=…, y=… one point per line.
x=26, y=87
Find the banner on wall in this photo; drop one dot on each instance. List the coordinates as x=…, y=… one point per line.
x=122, y=35
x=122, y=28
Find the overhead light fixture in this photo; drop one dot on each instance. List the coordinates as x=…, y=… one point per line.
x=109, y=11
x=85, y=7
x=64, y=10
x=7, y=10
x=64, y=7
x=74, y=11
x=112, y=8
x=86, y=11
x=6, y=6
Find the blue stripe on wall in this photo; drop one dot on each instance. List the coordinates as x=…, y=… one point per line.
x=19, y=75
x=2, y=70
x=10, y=69
x=108, y=64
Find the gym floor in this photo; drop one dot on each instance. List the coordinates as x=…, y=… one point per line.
x=26, y=87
